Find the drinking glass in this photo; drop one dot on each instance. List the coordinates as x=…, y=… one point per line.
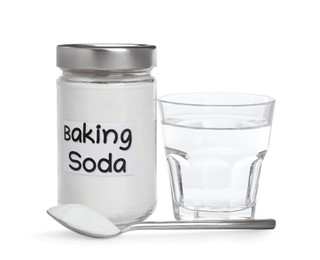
x=215, y=144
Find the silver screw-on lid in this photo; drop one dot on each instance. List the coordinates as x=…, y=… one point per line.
x=106, y=56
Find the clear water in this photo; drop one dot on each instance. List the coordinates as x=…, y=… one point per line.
x=215, y=160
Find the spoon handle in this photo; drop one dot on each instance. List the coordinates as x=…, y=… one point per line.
x=222, y=224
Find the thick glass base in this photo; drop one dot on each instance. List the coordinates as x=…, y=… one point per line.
x=181, y=213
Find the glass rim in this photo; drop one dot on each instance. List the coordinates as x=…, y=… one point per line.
x=269, y=100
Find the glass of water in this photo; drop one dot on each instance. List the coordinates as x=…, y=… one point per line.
x=215, y=144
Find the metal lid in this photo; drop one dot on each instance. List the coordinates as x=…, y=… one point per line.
x=106, y=56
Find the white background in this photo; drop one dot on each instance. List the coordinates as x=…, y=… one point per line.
x=264, y=47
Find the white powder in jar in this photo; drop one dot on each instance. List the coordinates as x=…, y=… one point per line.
x=122, y=197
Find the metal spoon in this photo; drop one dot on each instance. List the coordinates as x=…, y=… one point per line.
x=175, y=225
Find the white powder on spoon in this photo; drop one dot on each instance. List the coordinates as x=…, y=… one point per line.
x=84, y=220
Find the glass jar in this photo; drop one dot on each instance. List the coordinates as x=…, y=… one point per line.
x=107, y=129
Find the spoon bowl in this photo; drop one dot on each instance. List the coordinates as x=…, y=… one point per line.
x=81, y=231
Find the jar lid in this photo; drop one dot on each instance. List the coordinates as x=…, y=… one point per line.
x=106, y=56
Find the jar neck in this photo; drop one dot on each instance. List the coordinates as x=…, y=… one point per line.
x=105, y=76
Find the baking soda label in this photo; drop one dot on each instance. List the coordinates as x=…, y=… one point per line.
x=100, y=149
